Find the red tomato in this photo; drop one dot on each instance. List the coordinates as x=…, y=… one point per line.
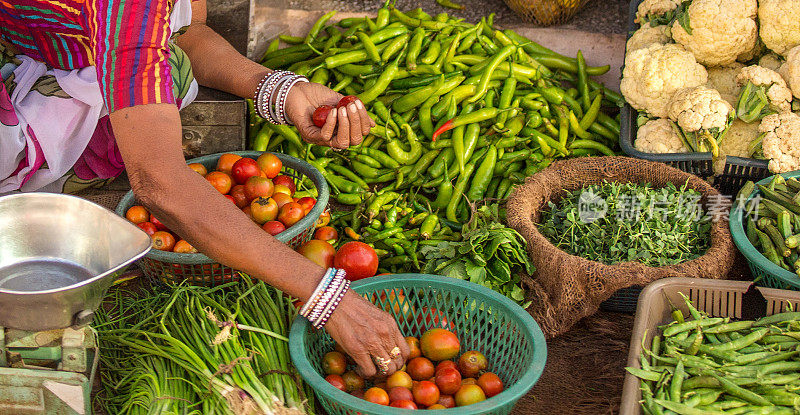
x=324, y=219
x=148, y=227
x=472, y=363
x=433, y=318
x=160, y=226
x=437, y=406
x=358, y=393
x=446, y=364
x=326, y=233
x=270, y=164
x=399, y=379
x=420, y=368
x=249, y=212
x=183, y=247
x=490, y=383
x=221, y=181
x=399, y=393
x=257, y=186
x=226, y=161
x=281, y=199
x=279, y=188
x=358, y=260
x=321, y=115
x=377, y=395
x=137, y=214
x=425, y=393
x=263, y=210
x=229, y=197
x=290, y=214
x=273, y=227
x=320, y=252
x=243, y=169
x=404, y=404
x=285, y=181
x=446, y=401
x=448, y=381
x=239, y=196
x=334, y=363
x=163, y=241
x=307, y=203
x=439, y=344
x=469, y=394
x=346, y=101
x=199, y=168
x=413, y=346
x=337, y=382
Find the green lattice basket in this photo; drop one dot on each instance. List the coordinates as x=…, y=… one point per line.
x=484, y=320
x=199, y=269
x=765, y=272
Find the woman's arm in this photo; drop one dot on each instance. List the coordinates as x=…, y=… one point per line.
x=149, y=139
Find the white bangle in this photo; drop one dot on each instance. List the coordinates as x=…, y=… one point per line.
x=314, y=298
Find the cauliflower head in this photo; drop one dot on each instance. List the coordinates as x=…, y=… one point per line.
x=781, y=141
x=791, y=70
x=753, y=54
x=771, y=61
x=655, y=9
x=764, y=92
x=702, y=116
x=653, y=74
x=736, y=143
x=721, y=30
x=648, y=35
x=723, y=79
x=658, y=136
x=780, y=24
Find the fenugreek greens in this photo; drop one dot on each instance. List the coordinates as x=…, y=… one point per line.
x=619, y=222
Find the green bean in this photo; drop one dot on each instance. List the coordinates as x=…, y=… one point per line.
x=682, y=409
x=780, y=318
x=739, y=392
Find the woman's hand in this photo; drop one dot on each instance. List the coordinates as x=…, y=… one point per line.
x=352, y=121
x=366, y=332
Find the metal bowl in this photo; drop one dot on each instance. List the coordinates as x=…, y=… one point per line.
x=58, y=256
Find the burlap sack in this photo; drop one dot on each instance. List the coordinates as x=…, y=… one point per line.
x=566, y=288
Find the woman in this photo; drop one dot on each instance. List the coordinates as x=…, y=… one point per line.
x=90, y=84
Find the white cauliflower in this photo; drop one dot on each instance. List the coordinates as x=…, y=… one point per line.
x=791, y=71
x=653, y=74
x=754, y=53
x=781, y=141
x=736, y=143
x=723, y=79
x=658, y=136
x=764, y=92
x=656, y=9
x=717, y=31
x=702, y=116
x=648, y=35
x=780, y=24
x=771, y=61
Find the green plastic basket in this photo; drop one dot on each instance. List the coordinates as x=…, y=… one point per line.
x=484, y=321
x=198, y=269
x=764, y=271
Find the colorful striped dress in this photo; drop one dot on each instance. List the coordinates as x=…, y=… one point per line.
x=65, y=65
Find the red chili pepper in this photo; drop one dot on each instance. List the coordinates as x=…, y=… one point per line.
x=447, y=126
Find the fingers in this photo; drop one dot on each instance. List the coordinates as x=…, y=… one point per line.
x=330, y=126
x=366, y=368
x=366, y=121
x=355, y=123
x=342, y=139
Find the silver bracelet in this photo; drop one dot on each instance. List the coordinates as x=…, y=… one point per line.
x=275, y=109
x=314, y=298
x=326, y=298
x=283, y=94
x=320, y=322
x=264, y=91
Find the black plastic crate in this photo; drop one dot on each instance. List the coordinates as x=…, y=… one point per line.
x=737, y=170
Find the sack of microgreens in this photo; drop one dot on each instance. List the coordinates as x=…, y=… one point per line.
x=600, y=224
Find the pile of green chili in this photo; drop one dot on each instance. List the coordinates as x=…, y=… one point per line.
x=706, y=366
x=465, y=112
x=198, y=350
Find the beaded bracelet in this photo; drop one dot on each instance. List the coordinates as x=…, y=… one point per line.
x=283, y=94
x=264, y=92
x=271, y=93
x=326, y=298
x=315, y=296
x=331, y=307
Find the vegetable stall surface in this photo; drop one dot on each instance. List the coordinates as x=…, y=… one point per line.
x=464, y=113
x=704, y=365
x=620, y=222
x=197, y=350
x=736, y=48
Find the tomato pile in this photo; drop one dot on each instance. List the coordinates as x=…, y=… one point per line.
x=254, y=185
x=432, y=378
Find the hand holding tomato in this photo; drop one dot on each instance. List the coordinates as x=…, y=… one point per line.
x=364, y=331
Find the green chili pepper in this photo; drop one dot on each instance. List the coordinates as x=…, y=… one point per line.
x=432, y=53
x=593, y=145
x=458, y=191
x=472, y=117
x=395, y=46
x=344, y=171
x=583, y=85
x=381, y=84
x=450, y=4
x=414, y=48
x=398, y=153
x=383, y=17
x=591, y=113
x=369, y=47
x=349, y=198
x=417, y=96
x=576, y=128
x=502, y=55
x=506, y=96
x=312, y=34
x=428, y=226
x=445, y=159
x=413, y=22
x=375, y=207
x=483, y=175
